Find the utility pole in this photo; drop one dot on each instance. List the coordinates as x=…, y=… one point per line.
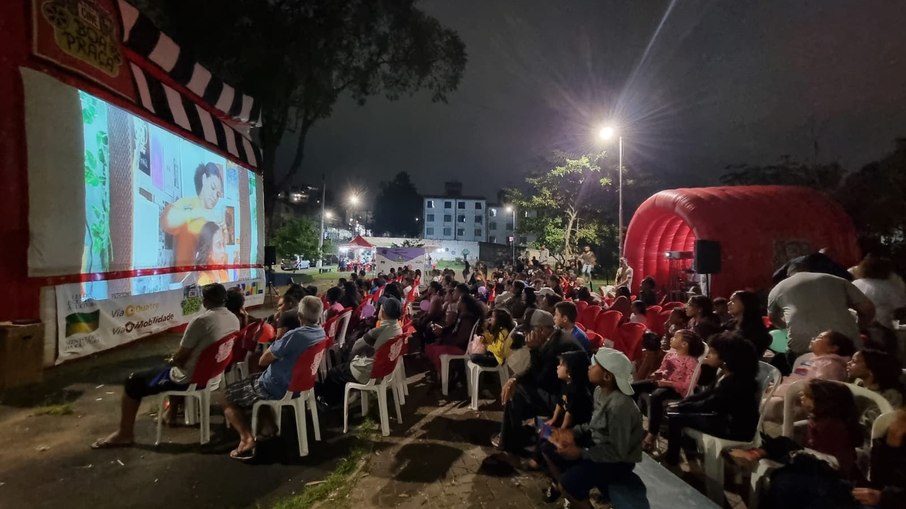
x=321, y=235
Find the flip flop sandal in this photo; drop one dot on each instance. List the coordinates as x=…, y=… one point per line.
x=245, y=455
x=103, y=444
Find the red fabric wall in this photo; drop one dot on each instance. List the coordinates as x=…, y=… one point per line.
x=18, y=295
x=750, y=222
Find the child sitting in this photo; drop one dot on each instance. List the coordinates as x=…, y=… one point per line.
x=676, y=321
x=639, y=309
x=496, y=340
x=575, y=403
x=832, y=351
x=671, y=380
x=833, y=422
x=608, y=447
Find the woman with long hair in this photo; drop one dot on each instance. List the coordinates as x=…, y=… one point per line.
x=211, y=252
x=702, y=319
x=747, y=319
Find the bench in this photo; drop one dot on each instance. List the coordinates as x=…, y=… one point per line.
x=322, y=270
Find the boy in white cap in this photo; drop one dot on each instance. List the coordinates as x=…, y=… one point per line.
x=608, y=447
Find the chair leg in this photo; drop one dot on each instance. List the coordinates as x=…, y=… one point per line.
x=313, y=406
x=714, y=471
x=444, y=375
x=190, y=411
x=396, y=403
x=160, y=418
x=301, y=427
x=278, y=417
x=346, y=410
x=474, y=375
x=382, y=410
x=364, y=398
x=204, y=403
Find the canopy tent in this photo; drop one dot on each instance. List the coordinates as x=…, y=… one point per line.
x=759, y=228
x=357, y=243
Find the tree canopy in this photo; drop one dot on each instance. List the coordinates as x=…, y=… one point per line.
x=298, y=237
x=298, y=57
x=397, y=207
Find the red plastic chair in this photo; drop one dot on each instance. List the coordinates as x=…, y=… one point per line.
x=622, y=305
x=608, y=324
x=267, y=334
x=382, y=379
x=672, y=304
x=581, y=327
x=595, y=340
x=587, y=317
x=656, y=322
x=581, y=305
x=302, y=383
x=654, y=309
x=210, y=366
x=631, y=339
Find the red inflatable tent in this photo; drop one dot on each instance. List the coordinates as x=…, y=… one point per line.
x=759, y=229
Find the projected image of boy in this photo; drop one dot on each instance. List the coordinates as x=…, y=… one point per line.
x=186, y=217
x=211, y=252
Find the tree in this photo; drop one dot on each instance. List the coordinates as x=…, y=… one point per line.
x=787, y=171
x=298, y=237
x=562, y=204
x=298, y=57
x=398, y=205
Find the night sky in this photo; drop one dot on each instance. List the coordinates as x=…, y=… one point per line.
x=693, y=85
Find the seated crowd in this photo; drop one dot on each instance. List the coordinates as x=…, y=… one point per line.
x=576, y=390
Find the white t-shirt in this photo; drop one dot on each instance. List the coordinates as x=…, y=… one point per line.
x=888, y=295
x=812, y=303
x=205, y=330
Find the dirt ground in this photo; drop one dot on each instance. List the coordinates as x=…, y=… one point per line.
x=45, y=460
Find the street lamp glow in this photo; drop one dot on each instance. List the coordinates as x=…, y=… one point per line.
x=353, y=199
x=606, y=132
x=328, y=214
x=508, y=209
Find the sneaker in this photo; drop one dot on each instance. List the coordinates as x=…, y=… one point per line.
x=495, y=441
x=551, y=494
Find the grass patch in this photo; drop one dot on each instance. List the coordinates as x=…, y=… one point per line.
x=57, y=409
x=339, y=480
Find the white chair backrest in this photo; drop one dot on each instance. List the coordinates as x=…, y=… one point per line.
x=790, y=403
x=883, y=405
x=474, y=329
x=881, y=424
x=344, y=319
x=802, y=359
x=768, y=379
x=696, y=374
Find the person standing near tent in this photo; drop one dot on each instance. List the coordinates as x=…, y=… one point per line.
x=624, y=275
x=588, y=259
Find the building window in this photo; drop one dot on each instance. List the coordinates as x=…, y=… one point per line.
x=492, y=212
x=477, y=232
x=460, y=232
x=478, y=205
x=429, y=231
x=492, y=240
x=492, y=226
x=478, y=219
x=509, y=226
x=461, y=218
x=447, y=232
x=429, y=204
x=461, y=204
x=448, y=205
x=430, y=217
x=448, y=218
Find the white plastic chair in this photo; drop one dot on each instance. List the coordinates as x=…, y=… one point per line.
x=445, y=364
x=382, y=378
x=205, y=378
x=711, y=446
x=791, y=397
x=696, y=374
x=802, y=359
x=475, y=372
x=881, y=424
x=302, y=383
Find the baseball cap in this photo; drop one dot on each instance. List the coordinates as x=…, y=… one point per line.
x=541, y=318
x=619, y=365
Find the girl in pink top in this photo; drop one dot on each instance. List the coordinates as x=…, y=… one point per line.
x=672, y=380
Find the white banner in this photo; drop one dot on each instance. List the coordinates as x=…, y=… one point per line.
x=86, y=326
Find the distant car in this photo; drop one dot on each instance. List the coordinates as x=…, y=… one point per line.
x=292, y=264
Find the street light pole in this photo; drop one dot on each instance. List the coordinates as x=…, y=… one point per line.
x=321, y=236
x=620, y=171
